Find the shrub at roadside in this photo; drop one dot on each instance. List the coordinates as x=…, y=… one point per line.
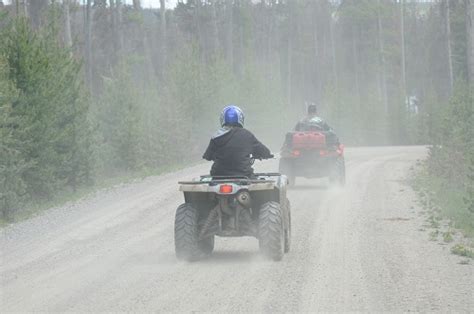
x=44, y=139
x=448, y=174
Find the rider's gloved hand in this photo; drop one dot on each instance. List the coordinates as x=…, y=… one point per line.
x=269, y=156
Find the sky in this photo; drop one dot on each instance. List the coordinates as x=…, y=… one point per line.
x=170, y=4
x=155, y=3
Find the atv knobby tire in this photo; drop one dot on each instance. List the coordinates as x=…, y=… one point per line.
x=288, y=227
x=286, y=167
x=271, y=235
x=206, y=245
x=186, y=235
x=338, y=173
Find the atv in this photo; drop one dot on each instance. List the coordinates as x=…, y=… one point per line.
x=313, y=154
x=233, y=207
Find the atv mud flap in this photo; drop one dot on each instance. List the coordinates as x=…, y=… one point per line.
x=313, y=166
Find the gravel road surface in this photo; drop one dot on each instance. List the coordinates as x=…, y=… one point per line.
x=361, y=248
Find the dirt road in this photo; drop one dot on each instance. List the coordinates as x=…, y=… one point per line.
x=354, y=249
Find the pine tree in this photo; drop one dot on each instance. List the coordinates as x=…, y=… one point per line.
x=12, y=165
x=52, y=108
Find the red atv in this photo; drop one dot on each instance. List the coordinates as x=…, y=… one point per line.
x=313, y=154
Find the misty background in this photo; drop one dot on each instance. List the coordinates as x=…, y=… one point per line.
x=100, y=89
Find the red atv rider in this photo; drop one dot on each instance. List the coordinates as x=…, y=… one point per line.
x=313, y=151
x=314, y=123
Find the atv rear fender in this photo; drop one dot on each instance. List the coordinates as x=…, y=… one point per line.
x=268, y=187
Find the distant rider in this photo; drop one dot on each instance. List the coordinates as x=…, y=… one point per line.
x=314, y=123
x=232, y=146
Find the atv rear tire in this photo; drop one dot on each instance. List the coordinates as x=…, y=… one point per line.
x=286, y=167
x=186, y=236
x=288, y=227
x=271, y=233
x=338, y=173
x=206, y=245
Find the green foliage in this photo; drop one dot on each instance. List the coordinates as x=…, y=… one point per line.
x=144, y=127
x=449, y=174
x=12, y=165
x=450, y=157
x=267, y=113
x=118, y=116
x=357, y=125
x=46, y=121
x=462, y=250
x=448, y=237
x=156, y=100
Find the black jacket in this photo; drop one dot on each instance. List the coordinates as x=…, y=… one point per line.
x=230, y=149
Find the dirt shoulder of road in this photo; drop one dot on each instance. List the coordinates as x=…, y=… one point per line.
x=446, y=218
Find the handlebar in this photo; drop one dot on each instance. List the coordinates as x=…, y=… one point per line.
x=252, y=159
x=271, y=156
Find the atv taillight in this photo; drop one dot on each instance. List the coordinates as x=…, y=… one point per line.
x=225, y=189
x=340, y=149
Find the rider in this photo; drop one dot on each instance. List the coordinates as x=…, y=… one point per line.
x=232, y=146
x=314, y=123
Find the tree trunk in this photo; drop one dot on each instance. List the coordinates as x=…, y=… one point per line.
x=141, y=35
x=470, y=40
x=355, y=62
x=36, y=10
x=229, y=32
x=289, y=57
x=163, y=46
x=21, y=7
x=137, y=5
x=200, y=33
x=383, y=70
x=402, y=40
x=24, y=7
x=88, y=39
x=448, y=45
x=113, y=25
x=214, y=32
x=118, y=6
x=67, y=25
x=239, y=47
x=333, y=51
x=317, y=56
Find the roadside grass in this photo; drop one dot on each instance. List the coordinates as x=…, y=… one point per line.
x=434, y=235
x=448, y=237
x=462, y=250
x=65, y=196
x=443, y=200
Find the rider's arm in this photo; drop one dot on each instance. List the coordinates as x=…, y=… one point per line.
x=210, y=151
x=259, y=150
x=326, y=127
x=298, y=127
x=331, y=137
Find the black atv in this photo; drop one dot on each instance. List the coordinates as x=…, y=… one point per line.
x=233, y=207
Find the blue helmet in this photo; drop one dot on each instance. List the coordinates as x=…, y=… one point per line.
x=232, y=115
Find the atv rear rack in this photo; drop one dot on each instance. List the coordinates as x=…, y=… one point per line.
x=239, y=180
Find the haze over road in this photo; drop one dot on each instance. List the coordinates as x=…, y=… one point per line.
x=354, y=249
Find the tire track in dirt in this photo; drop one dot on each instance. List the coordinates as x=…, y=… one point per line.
x=115, y=252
